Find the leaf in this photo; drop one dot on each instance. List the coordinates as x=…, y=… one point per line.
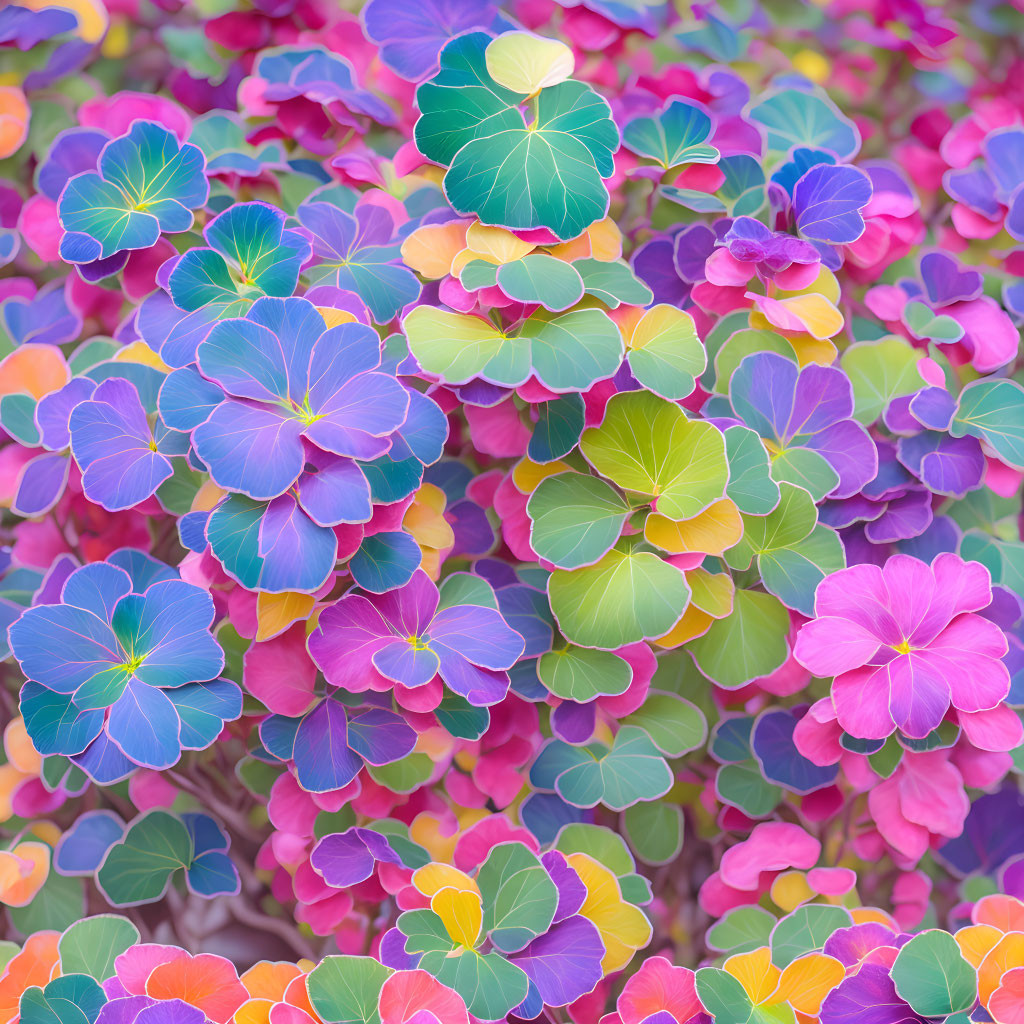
x=519, y=896
x=69, y=999
x=741, y=930
x=790, y=521
x=723, y=996
x=580, y=674
x=747, y=644
x=345, y=989
x=92, y=945
x=526, y=63
x=632, y=770
x=567, y=351
x=559, y=425
x=743, y=786
x=623, y=598
x=677, y=135
x=489, y=984
x=613, y=282
x=879, y=372
x=545, y=174
x=806, y=929
x=805, y=468
x=932, y=975
x=575, y=519
x=828, y=200
x=742, y=192
x=674, y=725
x=751, y=486
x=795, y=118
x=993, y=411
x=138, y=869
x=540, y=278
x=793, y=573
x=647, y=444
x=655, y=831
x=59, y=904
x=665, y=354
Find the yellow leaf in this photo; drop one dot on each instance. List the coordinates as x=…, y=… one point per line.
x=806, y=982
x=710, y=532
x=528, y=474
x=461, y=912
x=19, y=748
x=694, y=623
x=790, y=889
x=431, y=878
x=755, y=972
x=526, y=63
x=496, y=245
x=276, y=612
x=624, y=928
x=140, y=352
x=336, y=317
x=976, y=941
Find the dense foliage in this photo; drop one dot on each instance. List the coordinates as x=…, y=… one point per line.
x=511, y=511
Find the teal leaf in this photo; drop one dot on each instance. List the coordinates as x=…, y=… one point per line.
x=675, y=136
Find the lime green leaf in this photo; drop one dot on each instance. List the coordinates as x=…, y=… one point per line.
x=879, y=372
x=581, y=674
x=91, y=946
x=646, y=444
x=606, y=847
x=792, y=574
x=575, y=519
x=665, y=354
x=525, y=63
x=567, y=351
x=655, y=831
x=931, y=974
x=748, y=643
x=345, y=989
x=674, y=725
x=993, y=411
x=623, y=598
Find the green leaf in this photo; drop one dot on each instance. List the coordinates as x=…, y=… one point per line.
x=741, y=930
x=880, y=371
x=806, y=929
x=792, y=117
x=545, y=174
x=748, y=643
x=655, y=831
x=345, y=989
x=744, y=786
x=632, y=770
x=613, y=282
x=138, y=869
x=465, y=588
x=92, y=945
x=581, y=674
x=405, y=775
x=931, y=974
x=677, y=135
x=623, y=598
x=575, y=519
x=751, y=486
x=743, y=343
x=926, y=324
x=648, y=445
x=557, y=431
x=665, y=354
x=518, y=894
x=790, y=521
x=792, y=574
x=674, y=725
x=478, y=274
x=57, y=905
x=489, y=984
x=805, y=468
x=723, y=996
x=743, y=191
x=993, y=411
x=541, y=278
x=69, y=999
x=567, y=351
x=604, y=845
